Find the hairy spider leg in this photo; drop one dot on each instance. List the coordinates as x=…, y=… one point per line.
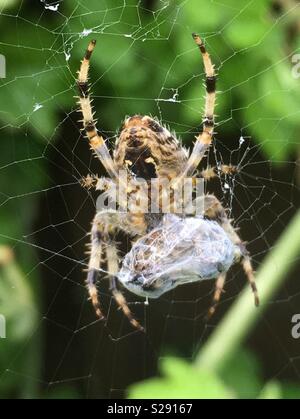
x=219, y=289
x=96, y=141
x=113, y=268
x=95, y=261
x=103, y=249
x=214, y=210
x=203, y=140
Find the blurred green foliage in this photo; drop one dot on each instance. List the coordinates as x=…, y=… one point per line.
x=181, y=380
x=251, y=45
x=145, y=57
x=17, y=303
x=242, y=379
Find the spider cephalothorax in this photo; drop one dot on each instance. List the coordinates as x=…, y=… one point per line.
x=148, y=149
x=168, y=249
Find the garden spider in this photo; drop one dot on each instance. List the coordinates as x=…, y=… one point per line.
x=147, y=150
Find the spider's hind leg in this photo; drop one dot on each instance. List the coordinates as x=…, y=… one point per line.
x=219, y=289
x=214, y=210
x=248, y=269
x=113, y=268
x=103, y=223
x=94, y=267
x=103, y=249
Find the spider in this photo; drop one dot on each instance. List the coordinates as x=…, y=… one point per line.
x=146, y=149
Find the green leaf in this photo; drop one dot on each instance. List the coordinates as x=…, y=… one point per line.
x=271, y=391
x=243, y=374
x=16, y=298
x=181, y=380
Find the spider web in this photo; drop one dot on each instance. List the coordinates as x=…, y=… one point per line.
x=146, y=63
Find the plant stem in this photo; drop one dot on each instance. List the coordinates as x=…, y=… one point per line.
x=229, y=335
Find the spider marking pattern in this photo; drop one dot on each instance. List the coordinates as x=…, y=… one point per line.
x=146, y=149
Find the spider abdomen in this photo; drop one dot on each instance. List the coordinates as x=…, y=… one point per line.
x=148, y=149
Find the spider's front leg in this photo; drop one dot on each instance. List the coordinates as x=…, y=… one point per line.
x=203, y=140
x=104, y=249
x=96, y=140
